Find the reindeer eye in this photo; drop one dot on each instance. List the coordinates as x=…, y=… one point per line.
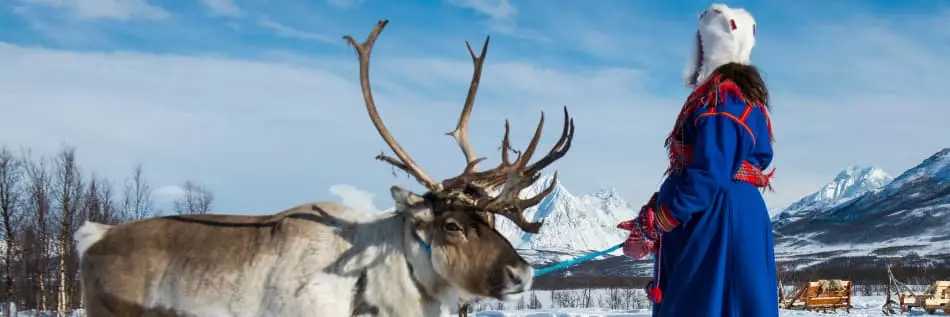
x=451, y=226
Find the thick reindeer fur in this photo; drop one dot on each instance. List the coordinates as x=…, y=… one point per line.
x=89, y=233
x=317, y=259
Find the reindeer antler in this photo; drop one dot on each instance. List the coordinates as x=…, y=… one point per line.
x=470, y=188
x=405, y=162
x=518, y=175
x=460, y=134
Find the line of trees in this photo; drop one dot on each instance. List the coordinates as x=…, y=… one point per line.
x=43, y=200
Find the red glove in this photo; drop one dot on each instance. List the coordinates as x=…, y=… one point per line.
x=636, y=246
x=643, y=233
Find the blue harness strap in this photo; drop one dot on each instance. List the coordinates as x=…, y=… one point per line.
x=573, y=262
x=427, y=246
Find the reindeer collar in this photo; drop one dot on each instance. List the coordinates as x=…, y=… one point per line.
x=426, y=245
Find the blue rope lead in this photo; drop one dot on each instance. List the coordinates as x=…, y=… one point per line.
x=545, y=270
x=569, y=263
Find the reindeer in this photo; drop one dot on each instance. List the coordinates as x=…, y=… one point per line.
x=326, y=259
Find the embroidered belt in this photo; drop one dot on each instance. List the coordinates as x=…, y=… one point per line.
x=748, y=172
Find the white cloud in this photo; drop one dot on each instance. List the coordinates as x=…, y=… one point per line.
x=501, y=18
x=345, y=3
x=354, y=197
x=499, y=10
x=168, y=193
x=107, y=9
x=291, y=32
x=223, y=8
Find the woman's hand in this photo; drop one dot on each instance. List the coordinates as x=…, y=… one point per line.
x=643, y=232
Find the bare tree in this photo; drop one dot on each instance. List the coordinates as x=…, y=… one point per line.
x=38, y=204
x=11, y=173
x=109, y=213
x=68, y=190
x=91, y=208
x=97, y=202
x=137, y=197
x=26, y=283
x=196, y=199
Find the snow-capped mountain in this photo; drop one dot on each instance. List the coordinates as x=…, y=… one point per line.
x=850, y=183
x=936, y=167
x=908, y=215
x=571, y=223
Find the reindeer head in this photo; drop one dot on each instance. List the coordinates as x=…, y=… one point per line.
x=454, y=220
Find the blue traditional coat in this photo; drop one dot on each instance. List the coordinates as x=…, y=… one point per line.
x=715, y=254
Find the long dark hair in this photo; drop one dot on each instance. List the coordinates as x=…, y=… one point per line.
x=748, y=79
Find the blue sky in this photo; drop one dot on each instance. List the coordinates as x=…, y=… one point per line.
x=259, y=100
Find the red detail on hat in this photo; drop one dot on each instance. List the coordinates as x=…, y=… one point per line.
x=733, y=24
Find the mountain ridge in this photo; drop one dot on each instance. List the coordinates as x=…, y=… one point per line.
x=908, y=216
x=850, y=183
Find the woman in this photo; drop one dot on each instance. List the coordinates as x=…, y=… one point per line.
x=708, y=225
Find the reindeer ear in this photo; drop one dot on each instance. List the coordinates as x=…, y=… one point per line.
x=404, y=198
x=411, y=203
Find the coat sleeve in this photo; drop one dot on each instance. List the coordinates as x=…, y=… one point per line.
x=721, y=138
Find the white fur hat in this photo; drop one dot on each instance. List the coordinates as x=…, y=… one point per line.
x=725, y=35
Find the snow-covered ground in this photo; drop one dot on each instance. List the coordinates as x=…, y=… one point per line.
x=863, y=306
x=625, y=303
x=599, y=299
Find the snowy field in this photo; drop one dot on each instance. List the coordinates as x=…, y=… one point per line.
x=632, y=303
x=621, y=303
